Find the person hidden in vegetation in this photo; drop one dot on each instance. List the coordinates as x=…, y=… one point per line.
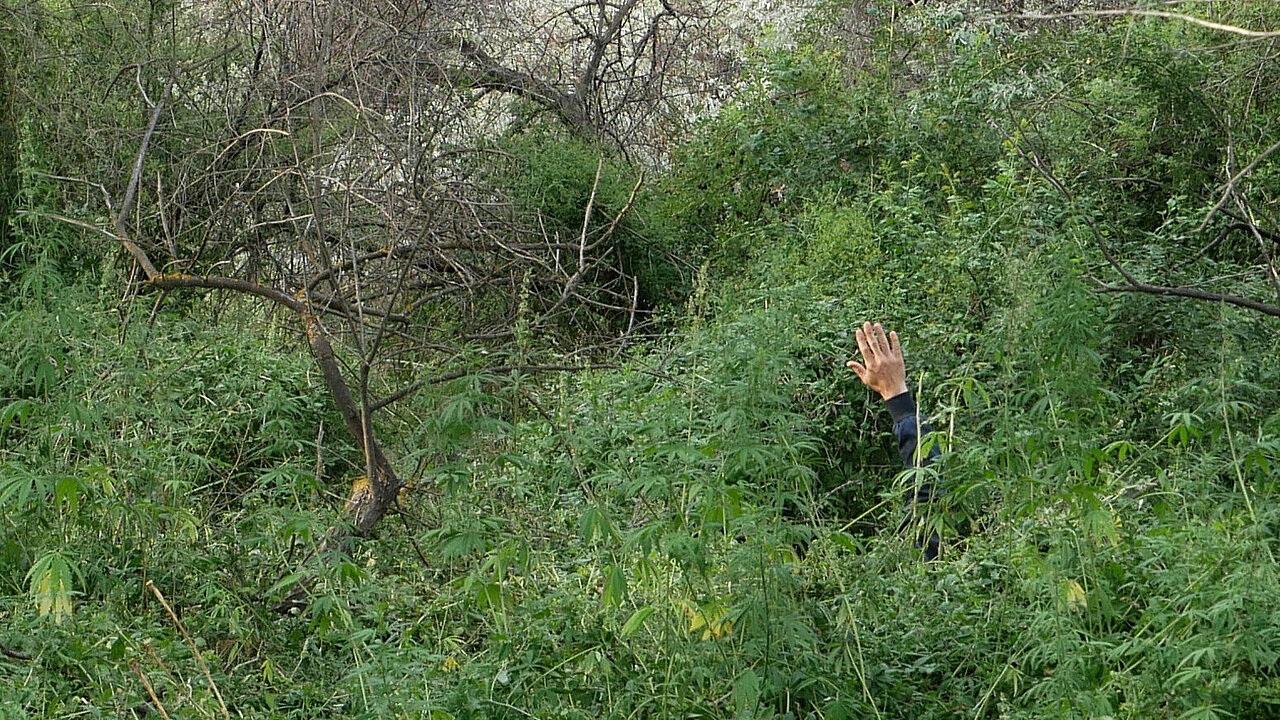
x=883, y=370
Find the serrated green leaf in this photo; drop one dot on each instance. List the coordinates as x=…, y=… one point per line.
x=615, y=586
x=51, y=586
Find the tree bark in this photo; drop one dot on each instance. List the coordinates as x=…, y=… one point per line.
x=371, y=501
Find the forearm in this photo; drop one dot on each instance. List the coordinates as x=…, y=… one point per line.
x=884, y=371
x=908, y=428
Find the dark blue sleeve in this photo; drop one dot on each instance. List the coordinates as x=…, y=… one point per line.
x=908, y=427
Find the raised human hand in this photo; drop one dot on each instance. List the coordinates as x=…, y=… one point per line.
x=882, y=368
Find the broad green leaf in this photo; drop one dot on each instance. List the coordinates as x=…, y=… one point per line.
x=746, y=693
x=634, y=622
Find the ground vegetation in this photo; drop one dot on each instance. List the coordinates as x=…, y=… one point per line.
x=322, y=398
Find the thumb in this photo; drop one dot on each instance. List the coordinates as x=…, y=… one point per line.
x=858, y=369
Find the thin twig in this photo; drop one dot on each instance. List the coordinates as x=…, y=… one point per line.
x=135, y=178
x=199, y=656
x=102, y=188
x=71, y=221
x=1226, y=231
x=1272, y=275
x=403, y=512
x=1040, y=167
x=1243, y=220
x=586, y=215
x=1230, y=186
x=608, y=232
x=1134, y=285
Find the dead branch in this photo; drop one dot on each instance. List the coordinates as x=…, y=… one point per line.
x=151, y=693
x=14, y=654
x=1186, y=292
x=194, y=648
x=1253, y=34
x=333, y=171
x=1132, y=284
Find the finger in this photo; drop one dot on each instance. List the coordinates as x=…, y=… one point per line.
x=864, y=344
x=858, y=369
x=872, y=340
x=895, y=345
x=881, y=342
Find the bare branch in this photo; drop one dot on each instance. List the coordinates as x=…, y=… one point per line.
x=1222, y=235
x=341, y=169
x=135, y=177
x=14, y=654
x=1038, y=164
x=1133, y=284
x=175, y=281
x=1193, y=293
x=1230, y=186
x=1255, y=34
x=72, y=221
x=106, y=197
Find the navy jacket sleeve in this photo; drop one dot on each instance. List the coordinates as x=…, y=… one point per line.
x=908, y=426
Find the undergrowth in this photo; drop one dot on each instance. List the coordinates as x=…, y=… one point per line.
x=709, y=529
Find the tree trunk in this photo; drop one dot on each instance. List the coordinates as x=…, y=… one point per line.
x=369, y=501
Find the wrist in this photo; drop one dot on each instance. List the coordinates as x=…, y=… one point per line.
x=894, y=391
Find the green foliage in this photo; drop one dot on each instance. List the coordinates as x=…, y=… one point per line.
x=8, y=148
x=560, y=177
x=795, y=131
x=581, y=192
x=51, y=584
x=709, y=529
x=40, y=254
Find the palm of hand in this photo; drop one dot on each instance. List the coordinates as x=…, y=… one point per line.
x=882, y=368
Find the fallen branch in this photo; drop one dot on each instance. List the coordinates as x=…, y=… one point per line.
x=14, y=654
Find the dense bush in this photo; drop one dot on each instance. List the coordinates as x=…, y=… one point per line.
x=709, y=529
x=583, y=192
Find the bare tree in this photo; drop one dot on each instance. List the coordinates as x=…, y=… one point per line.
x=333, y=160
x=628, y=71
